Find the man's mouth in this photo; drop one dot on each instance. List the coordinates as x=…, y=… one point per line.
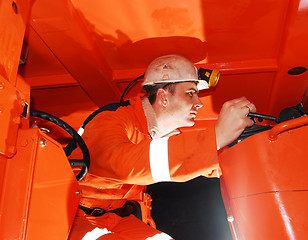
x=193, y=113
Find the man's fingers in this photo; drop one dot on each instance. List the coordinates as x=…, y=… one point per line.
x=237, y=100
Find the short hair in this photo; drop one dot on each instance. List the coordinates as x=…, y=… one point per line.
x=152, y=90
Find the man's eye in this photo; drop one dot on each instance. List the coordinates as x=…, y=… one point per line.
x=190, y=94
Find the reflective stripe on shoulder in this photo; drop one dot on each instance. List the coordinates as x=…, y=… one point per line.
x=80, y=131
x=160, y=236
x=159, y=162
x=95, y=234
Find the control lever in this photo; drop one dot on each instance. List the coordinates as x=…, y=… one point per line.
x=285, y=115
x=262, y=116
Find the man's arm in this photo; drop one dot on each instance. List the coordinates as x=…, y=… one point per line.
x=178, y=158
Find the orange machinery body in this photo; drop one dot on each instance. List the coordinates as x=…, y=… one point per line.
x=73, y=57
x=265, y=183
x=39, y=192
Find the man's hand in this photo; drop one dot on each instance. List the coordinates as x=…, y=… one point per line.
x=233, y=120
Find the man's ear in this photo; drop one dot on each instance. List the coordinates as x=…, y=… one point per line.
x=162, y=97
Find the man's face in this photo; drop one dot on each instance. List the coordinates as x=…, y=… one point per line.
x=183, y=105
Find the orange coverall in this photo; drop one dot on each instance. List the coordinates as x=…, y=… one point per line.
x=124, y=159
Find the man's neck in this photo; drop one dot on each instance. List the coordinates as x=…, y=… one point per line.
x=156, y=125
x=164, y=124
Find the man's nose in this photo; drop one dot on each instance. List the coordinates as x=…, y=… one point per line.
x=198, y=104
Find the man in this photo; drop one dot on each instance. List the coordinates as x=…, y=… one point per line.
x=140, y=144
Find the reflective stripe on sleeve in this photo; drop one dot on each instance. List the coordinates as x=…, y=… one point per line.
x=95, y=234
x=159, y=160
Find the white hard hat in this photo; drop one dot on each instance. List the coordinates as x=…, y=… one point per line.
x=176, y=68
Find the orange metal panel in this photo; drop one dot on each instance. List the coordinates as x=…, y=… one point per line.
x=13, y=17
x=11, y=106
x=266, y=183
x=54, y=81
x=40, y=194
x=41, y=61
x=208, y=31
x=59, y=26
x=276, y=215
x=288, y=90
x=259, y=164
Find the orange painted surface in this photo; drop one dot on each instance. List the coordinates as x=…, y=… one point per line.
x=11, y=106
x=13, y=20
x=39, y=190
x=266, y=183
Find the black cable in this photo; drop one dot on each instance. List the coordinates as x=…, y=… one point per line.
x=254, y=129
x=86, y=156
x=129, y=85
